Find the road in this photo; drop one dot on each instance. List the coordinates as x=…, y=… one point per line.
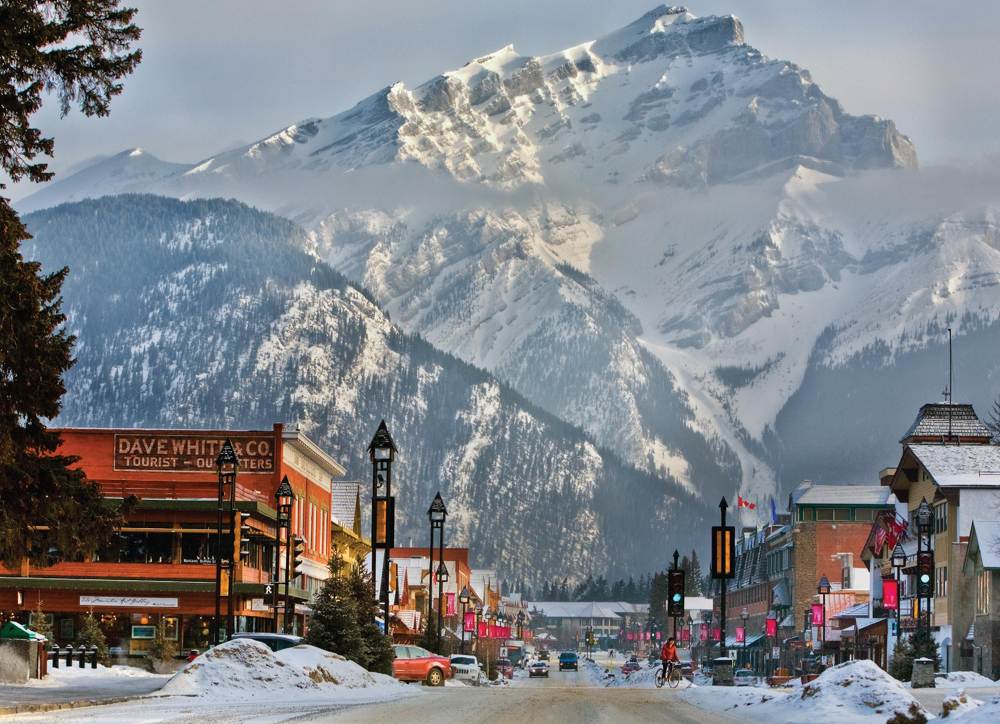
x=563, y=697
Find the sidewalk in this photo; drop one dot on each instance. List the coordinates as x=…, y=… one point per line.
x=65, y=688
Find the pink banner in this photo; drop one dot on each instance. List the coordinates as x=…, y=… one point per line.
x=890, y=594
x=685, y=635
x=716, y=634
x=483, y=630
x=470, y=621
x=657, y=635
x=703, y=633
x=450, y=604
x=817, y=614
x=741, y=634
x=772, y=627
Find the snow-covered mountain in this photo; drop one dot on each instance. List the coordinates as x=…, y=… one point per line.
x=661, y=236
x=224, y=319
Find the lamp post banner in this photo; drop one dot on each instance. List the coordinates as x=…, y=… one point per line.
x=817, y=614
x=703, y=632
x=741, y=634
x=890, y=594
x=685, y=635
x=450, y=609
x=772, y=627
x=470, y=621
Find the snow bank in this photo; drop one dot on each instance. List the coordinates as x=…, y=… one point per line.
x=244, y=669
x=962, y=680
x=958, y=704
x=857, y=691
x=65, y=674
x=988, y=713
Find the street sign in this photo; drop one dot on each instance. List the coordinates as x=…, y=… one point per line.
x=775, y=652
x=503, y=652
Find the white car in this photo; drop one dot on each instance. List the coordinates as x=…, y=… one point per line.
x=466, y=668
x=744, y=677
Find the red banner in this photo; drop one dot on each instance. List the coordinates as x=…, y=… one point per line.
x=685, y=635
x=741, y=634
x=772, y=627
x=657, y=635
x=817, y=614
x=716, y=634
x=890, y=594
x=703, y=633
x=470, y=621
x=483, y=630
x=449, y=604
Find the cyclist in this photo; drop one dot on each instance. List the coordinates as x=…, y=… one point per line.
x=668, y=655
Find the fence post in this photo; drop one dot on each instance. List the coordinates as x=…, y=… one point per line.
x=93, y=660
x=69, y=656
x=83, y=655
x=55, y=656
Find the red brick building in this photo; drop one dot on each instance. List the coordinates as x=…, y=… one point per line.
x=163, y=565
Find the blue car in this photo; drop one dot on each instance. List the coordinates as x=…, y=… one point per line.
x=568, y=660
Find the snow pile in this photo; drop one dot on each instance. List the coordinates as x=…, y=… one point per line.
x=988, y=713
x=76, y=675
x=856, y=690
x=958, y=704
x=962, y=680
x=725, y=698
x=245, y=669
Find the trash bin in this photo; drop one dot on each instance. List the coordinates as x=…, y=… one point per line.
x=18, y=653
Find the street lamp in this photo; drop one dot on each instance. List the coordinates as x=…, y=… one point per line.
x=744, y=615
x=382, y=452
x=898, y=563
x=436, y=514
x=823, y=588
x=520, y=626
x=442, y=576
x=924, y=516
x=226, y=464
x=283, y=497
x=463, y=598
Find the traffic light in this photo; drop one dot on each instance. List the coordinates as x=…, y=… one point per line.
x=675, y=593
x=298, y=555
x=723, y=551
x=925, y=574
x=244, y=536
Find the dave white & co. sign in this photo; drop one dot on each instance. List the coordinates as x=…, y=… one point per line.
x=192, y=452
x=128, y=601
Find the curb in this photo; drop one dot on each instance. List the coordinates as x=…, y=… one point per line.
x=56, y=706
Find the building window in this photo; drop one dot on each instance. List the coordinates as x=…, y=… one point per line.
x=983, y=594
x=941, y=584
x=864, y=514
x=198, y=548
x=941, y=518
x=134, y=547
x=807, y=514
x=842, y=514
x=824, y=514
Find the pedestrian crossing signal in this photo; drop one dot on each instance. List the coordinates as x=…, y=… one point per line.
x=675, y=593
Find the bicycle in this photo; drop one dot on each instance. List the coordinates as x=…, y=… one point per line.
x=673, y=678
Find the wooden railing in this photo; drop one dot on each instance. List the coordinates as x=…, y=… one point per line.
x=170, y=490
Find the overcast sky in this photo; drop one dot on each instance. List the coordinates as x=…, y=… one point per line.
x=219, y=73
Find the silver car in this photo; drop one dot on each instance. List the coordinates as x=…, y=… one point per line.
x=466, y=668
x=744, y=677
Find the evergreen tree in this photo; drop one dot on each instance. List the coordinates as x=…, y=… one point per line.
x=429, y=638
x=658, y=593
x=564, y=590
x=91, y=634
x=334, y=623
x=920, y=644
x=80, y=50
x=694, y=584
x=378, y=645
x=40, y=624
x=162, y=648
x=993, y=423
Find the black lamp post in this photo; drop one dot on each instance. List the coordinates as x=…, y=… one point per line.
x=823, y=588
x=520, y=625
x=463, y=598
x=442, y=576
x=226, y=464
x=382, y=452
x=436, y=514
x=479, y=615
x=744, y=615
x=898, y=564
x=924, y=517
x=283, y=497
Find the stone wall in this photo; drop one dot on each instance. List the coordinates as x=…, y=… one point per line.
x=18, y=660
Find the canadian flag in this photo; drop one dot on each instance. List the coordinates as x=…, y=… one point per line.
x=744, y=503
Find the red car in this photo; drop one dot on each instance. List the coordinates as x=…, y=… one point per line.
x=413, y=663
x=629, y=666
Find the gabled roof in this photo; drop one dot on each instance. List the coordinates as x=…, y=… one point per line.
x=935, y=419
x=345, y=503
x=984, y=540
x=844, y=495
x=960, y=466
x=575, y=609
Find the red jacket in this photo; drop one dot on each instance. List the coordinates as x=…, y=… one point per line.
x=668, y=652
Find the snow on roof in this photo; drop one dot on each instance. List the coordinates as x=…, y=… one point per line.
x=960, y=466
x=577, y=609
x=933, y=421
x=343, y=506
x=857, y=611
x=987, y=533
x=844, y=494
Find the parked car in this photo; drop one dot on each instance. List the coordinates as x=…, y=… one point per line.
x=275, y=641
x=505, y=668
x=466, y=668
x=631, y=665
x=569, y=660
x=543, y=655
x=413, y=663
x=539, y=668
x=744, y=677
